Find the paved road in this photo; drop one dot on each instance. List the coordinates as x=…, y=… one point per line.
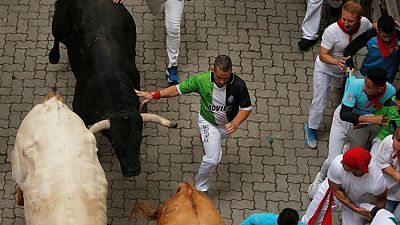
x=255, y=174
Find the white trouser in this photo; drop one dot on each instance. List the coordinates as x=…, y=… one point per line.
x=374, y=149
x=348, y=216
x=211, y=137
x=321, y=85
x=173, y=15
x=312, y=19
x=341, y=131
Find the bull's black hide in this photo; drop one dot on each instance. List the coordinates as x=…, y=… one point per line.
x=100, y=37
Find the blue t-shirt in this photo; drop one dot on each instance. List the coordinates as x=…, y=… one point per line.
x=374, y=59
x=354, y=96
x=263, y=219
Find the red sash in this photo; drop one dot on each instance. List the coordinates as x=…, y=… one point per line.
x=386, y=49
x=350, y=33
x=328, y=215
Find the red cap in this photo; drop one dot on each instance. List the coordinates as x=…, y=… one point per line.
x=357, y=158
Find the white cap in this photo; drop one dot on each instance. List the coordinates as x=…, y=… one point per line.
x=382, y=216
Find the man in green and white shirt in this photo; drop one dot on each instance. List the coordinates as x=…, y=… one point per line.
x=225, y=103
x=391, y=110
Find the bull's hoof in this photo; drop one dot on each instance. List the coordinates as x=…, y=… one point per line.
x=174, y=125
x=19, y=197
x=131, y=173
x=54, y=56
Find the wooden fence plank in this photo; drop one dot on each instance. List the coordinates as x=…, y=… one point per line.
x=376, y=10
x=392, y=8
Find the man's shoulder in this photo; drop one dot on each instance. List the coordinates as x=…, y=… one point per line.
x=357, y=84
x=390, y=90
x=201, y=75
x=333, y=28
x=336, y=171
x=237, y=81
x=364, y=25
x=388, y=142
x=365, y=21
x=374, y=170
x=338, y=159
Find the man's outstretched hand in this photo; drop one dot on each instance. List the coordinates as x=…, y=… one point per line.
x=146, y=95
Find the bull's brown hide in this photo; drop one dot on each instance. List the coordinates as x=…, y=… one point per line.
x=187, y=207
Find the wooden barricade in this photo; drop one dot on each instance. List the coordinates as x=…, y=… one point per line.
x=373, y=9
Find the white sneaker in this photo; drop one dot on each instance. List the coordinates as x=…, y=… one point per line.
x=312, y=190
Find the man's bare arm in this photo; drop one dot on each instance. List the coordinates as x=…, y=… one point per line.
x=327, y=58
x=381, y=199
x=339, y=193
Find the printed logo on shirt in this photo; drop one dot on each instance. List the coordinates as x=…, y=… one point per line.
x=214, y=108
x=231, y=99
x=349, y=98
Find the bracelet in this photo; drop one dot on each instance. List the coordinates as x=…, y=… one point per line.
x=156, y=95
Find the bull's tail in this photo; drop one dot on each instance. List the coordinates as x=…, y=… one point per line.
x=52, y=94
x=149, y=212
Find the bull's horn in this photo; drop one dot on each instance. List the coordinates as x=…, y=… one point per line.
x=150, y=117
x=99, y=126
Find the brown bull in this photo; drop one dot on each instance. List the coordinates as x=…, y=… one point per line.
x=187, y=207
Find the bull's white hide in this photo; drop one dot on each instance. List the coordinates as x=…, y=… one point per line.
x=55, y=163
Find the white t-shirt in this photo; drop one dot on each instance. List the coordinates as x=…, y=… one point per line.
x=335, y=40
x=384, y=159
x=357, y=188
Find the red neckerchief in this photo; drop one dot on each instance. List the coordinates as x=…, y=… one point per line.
x=375, y=100
x=386, y=48
x=327, y=220
x=350, y=33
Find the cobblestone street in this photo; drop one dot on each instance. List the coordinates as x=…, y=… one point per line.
x=265, y=166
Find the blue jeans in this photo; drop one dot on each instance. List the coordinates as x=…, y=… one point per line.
x=394, y=207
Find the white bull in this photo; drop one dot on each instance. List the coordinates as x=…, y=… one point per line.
x=56, y=166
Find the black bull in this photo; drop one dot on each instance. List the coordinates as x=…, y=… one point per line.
x=100, y=37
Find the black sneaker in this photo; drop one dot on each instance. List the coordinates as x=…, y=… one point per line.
x=306, y=44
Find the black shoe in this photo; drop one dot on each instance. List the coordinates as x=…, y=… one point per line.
x=306, y=44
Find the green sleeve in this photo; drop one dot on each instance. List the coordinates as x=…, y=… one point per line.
x=189, y=85
x=382, y=111
x=389, y=110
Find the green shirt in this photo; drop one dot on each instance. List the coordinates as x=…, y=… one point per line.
x=218, y=105
x=388, y=110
